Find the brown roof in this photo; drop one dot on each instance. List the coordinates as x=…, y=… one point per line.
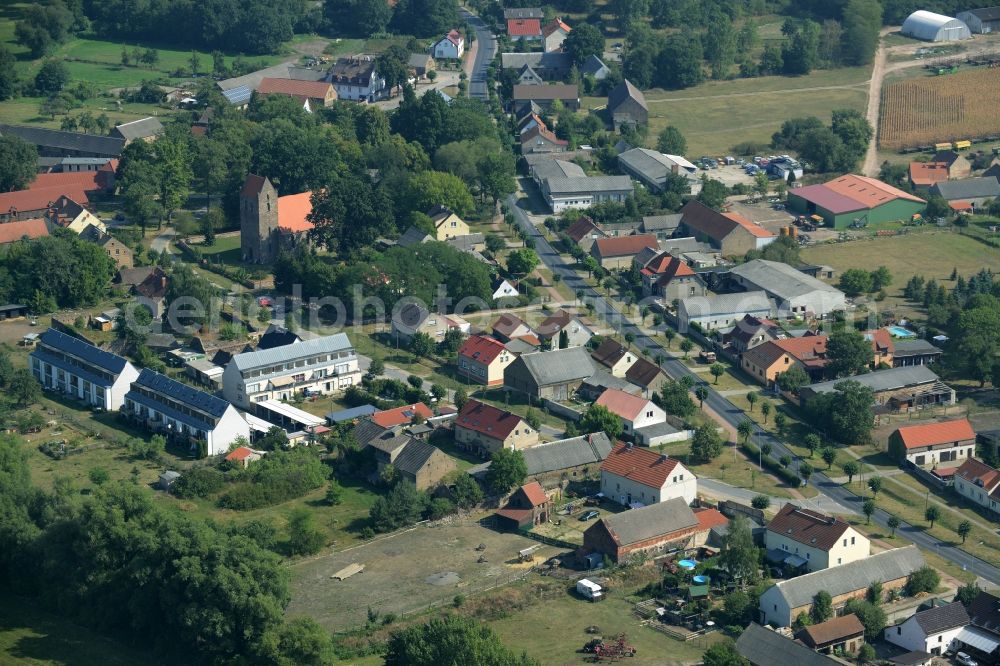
x=637, y=464
x=979, y=473
x=293, y=88
x=562, y=91
x=529, y=135
x=581, y=228
x=253, y=185
x=928, y=173
x=811, y=528
x=535, y=493
x=702, y=219
x=809, y=349
x=488, y=420
x=553, y=25
x=931, y=434
x=624, y=246
x=507, y=324
x=831, y=631
x=154, y=286
x=643, y=373
x=609, y=352
x=15, y=231
x=40, y=198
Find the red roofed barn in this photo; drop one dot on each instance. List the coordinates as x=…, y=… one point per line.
x=317, y=94
x=843, y=200
x=523, y=23
x=943, y=443
x=486, y=429
x=631, y=475
x=528, y=506
x=390, y=418
x=618, y=252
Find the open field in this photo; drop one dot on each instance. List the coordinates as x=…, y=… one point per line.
x=553, y=632
x=716, y=115
x=406, y=572
x=923, y=111
x=30, y=636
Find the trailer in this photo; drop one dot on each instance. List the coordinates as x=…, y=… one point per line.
x=588, y=589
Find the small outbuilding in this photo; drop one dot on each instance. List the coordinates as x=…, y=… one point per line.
x=168, y=479
x=931, y=27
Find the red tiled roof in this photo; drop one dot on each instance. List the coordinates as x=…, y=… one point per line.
x=240, y=453
x=294, y=210
x=809, y=348
x=754, y=229
x=524, y=27
x=851, y=192
x=881, y=340
x=87, y=181
x=555, y=24
x=15, y=231
x=811, y=528
x=40, y=198
x=488, y=420
x=960, y=206
x=623, y=246
x=928, y=173
x=930, y=434
x=454, y=37
x=529, y=135
x=621, y=403
x=637, y=464
x=481, y=349
x=400, y=415
x=294, y=88
x=535, y=493
x=709, y=518
x=979, y=473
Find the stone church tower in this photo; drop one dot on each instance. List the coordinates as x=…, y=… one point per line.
x=258, y=220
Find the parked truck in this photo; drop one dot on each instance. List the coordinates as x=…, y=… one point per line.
x=589, y=589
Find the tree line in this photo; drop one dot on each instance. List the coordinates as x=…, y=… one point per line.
x=364, y=18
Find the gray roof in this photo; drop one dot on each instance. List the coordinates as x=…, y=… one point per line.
x=650, y=521
x=558, y=366
x=593, y=66
x=604, y=379
x=551, y=168
x=279, y=71
x=883, y=380
x=413, y=236
x=414, y=456
x=883, y=567
x=519, y=346
x=418, y=60
x=350, y=414
x=566, y=453
x=523, y=13
x=367, y=430
x=970, y=188
x=941, y=618
x=747, y=301
x=781, y=280
x=653, y=165
x=661, y=222
x=764, y=647
x=588, y=184
x=913, y=347
x=238, y=95
x=551, y=60
x=656, y=430
x=677, y=246
x=623, y=91
x=194, y=398
x=467, y=242
x=87, y=143
x=83, y=349
x=256, y=359
x=140, y=129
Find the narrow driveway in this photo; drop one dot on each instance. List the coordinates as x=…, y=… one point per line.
x=162, y=242
x=841, y=499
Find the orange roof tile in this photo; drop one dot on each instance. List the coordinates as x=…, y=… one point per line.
x=88, y=181
x=960, y=206
x=754, y=229
x=928, y=173
x=524, y=27
x=979, y=473
x=294, y=88
x=294, y=210
x=641, y=465
x=15, y=231
x=240, y=453
x=555, y=24
x=622, y=246
x=709, y=518
x=868, y=191
x=40, y=198
x=930, y=434
x=623, y=404
x=400, y=415
x=535, y=493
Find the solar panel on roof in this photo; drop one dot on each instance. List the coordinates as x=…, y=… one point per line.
x=238, y=95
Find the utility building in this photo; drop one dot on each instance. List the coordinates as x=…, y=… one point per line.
x=932, y=27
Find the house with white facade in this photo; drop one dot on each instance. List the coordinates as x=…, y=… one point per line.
x=722, y=311
x=74, y=367
x=451, y=46
x=632, y=476
x=182, y=412
x=944, y=443
x=614, y=356
x=795, y=293
x=561, y=194
x=356, y=78
x=978, y=482
x=503, y=288
x=634, y=411
x=321, y=365
x=931, y=631
x=802, y=537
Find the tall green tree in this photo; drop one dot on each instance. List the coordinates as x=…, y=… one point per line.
x=740, y=556
x=507, y=471
x=862, y=22
x=599, y=418
x=849, y=354
x=18, y=163
x=671, y=141
x=357, y=18
x=584, y=41
x=451, y=639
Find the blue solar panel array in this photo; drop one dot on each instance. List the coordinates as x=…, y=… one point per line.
x=183, y=393
x=82, y=349
x=238, y=95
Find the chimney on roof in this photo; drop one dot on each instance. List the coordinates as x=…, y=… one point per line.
x=675, y=169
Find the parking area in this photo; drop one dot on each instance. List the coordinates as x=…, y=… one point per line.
x=407, y=572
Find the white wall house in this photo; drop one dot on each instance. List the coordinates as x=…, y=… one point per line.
x=633, y=475
x=183, y=412
x=722, y=310
x=76, y=368
x=322, y=365
x=451, y=45
x=931, y=631
x=978, y=482
x=819, y=540
x=356, y=78
x=635, y=412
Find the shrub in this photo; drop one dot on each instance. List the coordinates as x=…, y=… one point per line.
x=198, y=482
x=279, y=477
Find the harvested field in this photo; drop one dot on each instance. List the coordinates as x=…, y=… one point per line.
x=953, y=107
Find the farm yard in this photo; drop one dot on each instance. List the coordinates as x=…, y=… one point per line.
x=928, y=110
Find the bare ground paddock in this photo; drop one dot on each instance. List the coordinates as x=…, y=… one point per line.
x=406, y=572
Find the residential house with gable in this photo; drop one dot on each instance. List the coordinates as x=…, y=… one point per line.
x=670, y=278
x=979, y=483
x=733, y=234
x=503, y=288
x=981, y=637
x=945, y=443
x=749, y=332
x=647, y=376
x=555, y=375
x=413, y=318
x=509, y=327
x=413, y=460
x=805, y=538
x=931, y=631
x=524, y=23
x=618, y=253
x=956, y=163
x=526, y=507
x=595, y=67
x=635, y=412
x=627, y=106
x=767, y=361
x=485, y=429
x=564, y=329
x=356, y=78
x=584, y=232
x=73, y=366
x=632, y=474
x=540, y=139
x=554, y=33
x=451, y=46
x=614, y=356
x=447, y=223
x=483, y=360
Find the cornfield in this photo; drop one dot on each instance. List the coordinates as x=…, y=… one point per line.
x=925, y=111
